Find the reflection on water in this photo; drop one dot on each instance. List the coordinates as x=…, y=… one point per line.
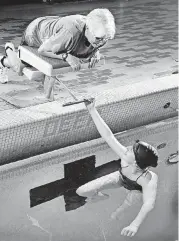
x=172, y=158
x=36, y=223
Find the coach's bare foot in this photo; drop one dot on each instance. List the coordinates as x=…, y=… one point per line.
x=51, y=98
x=41, y=99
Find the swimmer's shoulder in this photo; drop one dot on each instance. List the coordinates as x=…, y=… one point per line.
x=147, y=177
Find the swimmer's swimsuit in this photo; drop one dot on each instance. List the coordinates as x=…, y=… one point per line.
x=130, y=184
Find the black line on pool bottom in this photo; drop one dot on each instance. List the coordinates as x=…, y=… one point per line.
x=75, y=174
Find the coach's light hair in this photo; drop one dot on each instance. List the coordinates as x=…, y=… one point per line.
x=105, y=17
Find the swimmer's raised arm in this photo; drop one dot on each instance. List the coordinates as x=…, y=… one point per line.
x=104, y=130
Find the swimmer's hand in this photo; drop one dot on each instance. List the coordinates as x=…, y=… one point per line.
x=74, y=62
x=129, y=231
x=90, y=103
x=95, y=59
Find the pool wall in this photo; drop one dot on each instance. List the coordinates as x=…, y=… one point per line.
x=85, y=149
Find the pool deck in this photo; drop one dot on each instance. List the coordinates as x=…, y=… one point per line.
x=144, y=48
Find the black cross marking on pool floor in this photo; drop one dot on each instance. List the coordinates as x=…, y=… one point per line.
x=75, y=174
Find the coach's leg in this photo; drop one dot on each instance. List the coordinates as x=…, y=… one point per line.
x=12, y=60
x=3, y=70
x=48, y=87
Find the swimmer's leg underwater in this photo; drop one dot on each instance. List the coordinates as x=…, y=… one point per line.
x=93, y=189
x=133, y=197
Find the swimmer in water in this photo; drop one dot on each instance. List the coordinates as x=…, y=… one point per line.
x=133, y=173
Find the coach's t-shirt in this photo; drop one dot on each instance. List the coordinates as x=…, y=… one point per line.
x=65, y=34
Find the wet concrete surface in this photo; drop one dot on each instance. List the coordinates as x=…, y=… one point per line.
x=144, y=48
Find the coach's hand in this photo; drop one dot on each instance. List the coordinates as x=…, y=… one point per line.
x=74, y=62
x=94, y=60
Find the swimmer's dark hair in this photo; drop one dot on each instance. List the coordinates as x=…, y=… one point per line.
x=146, y=156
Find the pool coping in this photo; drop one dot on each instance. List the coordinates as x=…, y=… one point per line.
x=51, y=109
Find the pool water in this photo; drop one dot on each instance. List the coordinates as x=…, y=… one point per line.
x=41, y=204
